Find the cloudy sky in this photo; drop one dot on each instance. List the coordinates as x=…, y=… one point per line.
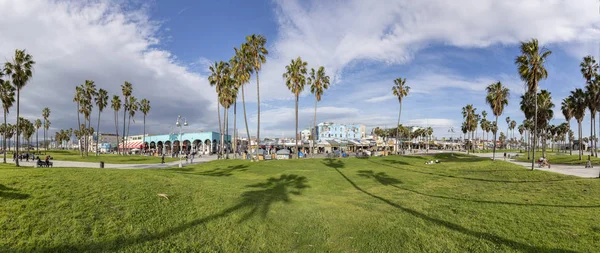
x=449, y=51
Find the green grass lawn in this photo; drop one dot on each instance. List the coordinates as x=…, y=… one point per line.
x=560, y=158
x=385, y=204
x=73, y=155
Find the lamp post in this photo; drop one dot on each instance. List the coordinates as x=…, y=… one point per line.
x=181, y=122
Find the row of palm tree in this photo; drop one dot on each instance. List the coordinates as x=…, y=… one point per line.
x=230, y=77
x=403, y=132
x=15, y=75
x=87, y=96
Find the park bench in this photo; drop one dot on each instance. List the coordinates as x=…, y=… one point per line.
x=41, y=163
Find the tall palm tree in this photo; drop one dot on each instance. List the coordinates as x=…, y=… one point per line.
x=507, y=126
x=144, y=108
x=484, y=115
x=513, y=124
x=530, y=66
x=77, y=99
x=295, y=80
x=589, y=70
x=45, y=116
x=115, y=104
x=90, y=93
x=20, y=70
x=400, y=90
x=101, y=102
x=429, y=132
x=241, y=70
x=133, y=105
x=126, y=90
x=38, y=124
x=468, y=113
x=567, y=111
x=257, y=56
x=7, y=96
x=578, y=101
x=227, y=96
x=319, y=82
x=545, y=114
x=47, y=124
x=497, y=98
x=219, y=73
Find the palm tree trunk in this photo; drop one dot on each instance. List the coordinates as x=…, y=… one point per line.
x=245, y=118
x=4, y=139
x=591, y=134
x=314, y=133
x=226, y=132
x=124, y=113
x=234, y=143
x=580, y=142
x=398, y=125
x=37, y=146
x=570, y=141
x=44, y=136
x=220, y=126
x=534, y=129
x=494, y=152
x=128, y=125
x=98, y=134
x=296, y=133
x=144, y=136
x=78, y=126
x=258, y=113
x=117, y=129
x=17, y=129
x=221, y=144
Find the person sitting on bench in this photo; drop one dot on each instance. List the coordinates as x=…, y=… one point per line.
x=48, y=162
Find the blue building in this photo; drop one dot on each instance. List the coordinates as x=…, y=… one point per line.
x=331, y=131
x=202, y=142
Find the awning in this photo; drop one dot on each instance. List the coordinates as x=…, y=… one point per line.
x=131, y=144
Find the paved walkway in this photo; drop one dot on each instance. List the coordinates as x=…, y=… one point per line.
x=72, y=164
x=567, y=169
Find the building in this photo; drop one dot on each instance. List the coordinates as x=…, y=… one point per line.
x=305, y=134
x=333, y=131
x=202, y=142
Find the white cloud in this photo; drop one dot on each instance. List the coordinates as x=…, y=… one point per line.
x=391, y=31
x=72, y=41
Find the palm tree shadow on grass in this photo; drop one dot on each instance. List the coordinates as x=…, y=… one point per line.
x=451, y=226
x=255, y=202
x=11, y=193
x=333, y=163
x=385, y=179
x=218, y=172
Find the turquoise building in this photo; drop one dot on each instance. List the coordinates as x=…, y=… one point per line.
x=202, y=142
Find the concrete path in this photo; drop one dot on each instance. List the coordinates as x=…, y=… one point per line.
x=570, y=169
x=72, y=164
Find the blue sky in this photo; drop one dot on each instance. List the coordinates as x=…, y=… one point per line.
x=447, y=52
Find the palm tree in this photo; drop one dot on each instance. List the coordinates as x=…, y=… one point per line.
x=507, y=126
x=38, y=124
x=497, y=98
x=90, y=92
x=530, y=65
x=46, y=127
x=133, y=106
x=468, y=113
x=318, y=82
x=589, y=69
x=101, y=103
x=144, y=108
x=126, y=90
x=578, y=101
x=227, y=96
x=484, y=115
x=567, y=111
x=7, y=96
x=115, y=104
x=295, y=80
x=219, y=72
x=513, y=124
x=400, y=90
x=77, y=99
x=241, y=70
x=545, y=114
x=45, y=116
x=257, y=56
x=20, y=71
x=429, y=132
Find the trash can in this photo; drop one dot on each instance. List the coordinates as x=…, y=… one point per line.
x=101, y=164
